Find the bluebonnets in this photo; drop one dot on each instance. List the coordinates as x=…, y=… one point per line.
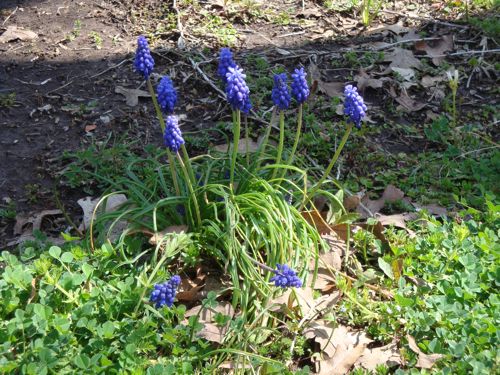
x=246, y=212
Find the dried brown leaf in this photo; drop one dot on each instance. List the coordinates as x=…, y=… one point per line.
x=364, y=80
x=207, y=315
x=398, y=220
x=424, y=360
x=213, y=333
x=406, y=73
x=35, y=220
x=243, y=145
x=433, y=209
x=431, y=81
x=341, y=347
x=386, y=355
x=436, y=49
x=88, y=206
x=402, y=58
x=131, y=95
x=391, y=194
x=332, y=89
x=14, y=33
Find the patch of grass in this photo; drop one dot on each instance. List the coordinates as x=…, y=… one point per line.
x=218, y=27
x=96, y=39
x=7, y=100
x=77, y=28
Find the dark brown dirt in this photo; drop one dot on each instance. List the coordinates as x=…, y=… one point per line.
x=64, y=82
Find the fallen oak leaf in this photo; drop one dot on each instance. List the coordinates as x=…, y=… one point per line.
x=331, y=89
x=391, y=194
x=387, y=355
x=342, y=347
x=402, y=58
x=34, y=219
x=436, y=49
x=425, y=361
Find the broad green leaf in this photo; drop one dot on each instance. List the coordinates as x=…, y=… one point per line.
x=386, y=267
x=67, y=257
x=55, y=252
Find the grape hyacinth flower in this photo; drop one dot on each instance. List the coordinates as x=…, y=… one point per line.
x=167, y=96
x=300, y=89
x=143, y=62
x=286, y=277
x=281, y=93
x=354, y=106
x=237, y=91
x=225, y=62
x=173, y=136
x=164, y=294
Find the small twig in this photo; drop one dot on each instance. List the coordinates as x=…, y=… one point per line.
x=425, y=19
x=10, y=15
x=291, y=34
x=110, y=68
x=478, y=150
x=390, y=45
x=207, y=79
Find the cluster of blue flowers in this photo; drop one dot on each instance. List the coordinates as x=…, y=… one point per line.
x=143, y=62
x=173, y=136
x=238, y=96
x=165, y=92
x=167, y=96
x=237, y=91
x=300, y=89
x=164, y=294
x=225, y=62
x=285, y=277
x=354, y=106
x=281, y=93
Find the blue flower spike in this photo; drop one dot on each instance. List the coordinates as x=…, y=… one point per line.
x=167, y=96
x=173, y=136
x=225, y=62
x=237, y=91
x=300, y=88
x=281, y=93
x=164, y=294
x=285, y=277
x=143, y=62
x=354, y=106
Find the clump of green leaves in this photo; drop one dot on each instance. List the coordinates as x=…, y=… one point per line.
x=7, y=100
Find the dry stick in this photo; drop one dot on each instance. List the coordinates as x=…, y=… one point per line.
x=10, y=15
x=110, y=68
x=207, y=79
x=425, y=19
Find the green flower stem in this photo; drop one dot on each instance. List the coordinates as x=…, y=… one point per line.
x=187, y=162
x=247, y=136
x=281, y=142
x=263, y=144
x=334, y=160
x=236, y=141
x=171, y=160
x=190, y=187
x=297, y=139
